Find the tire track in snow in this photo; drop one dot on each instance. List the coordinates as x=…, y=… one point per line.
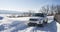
x=29, y=29
x=19, y=26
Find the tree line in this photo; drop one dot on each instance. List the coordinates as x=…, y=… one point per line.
x=52, y=9
x=48, y=9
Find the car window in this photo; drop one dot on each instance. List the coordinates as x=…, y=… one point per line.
x=38, y=15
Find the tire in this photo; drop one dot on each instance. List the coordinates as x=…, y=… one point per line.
x=45, y=21
x=55, y=19
x=31, y=24
x=39, y=25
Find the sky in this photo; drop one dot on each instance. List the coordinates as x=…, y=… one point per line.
x=25, y=5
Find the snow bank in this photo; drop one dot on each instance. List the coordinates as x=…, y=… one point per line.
x=50, y=19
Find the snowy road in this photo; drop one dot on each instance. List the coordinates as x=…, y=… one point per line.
x=21, y=26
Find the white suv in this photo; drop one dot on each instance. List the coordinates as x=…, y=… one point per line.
x=37, y=19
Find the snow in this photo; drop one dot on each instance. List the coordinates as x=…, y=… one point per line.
x=17, y=25
x=58, y=27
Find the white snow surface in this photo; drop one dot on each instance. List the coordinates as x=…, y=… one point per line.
x=17, y=25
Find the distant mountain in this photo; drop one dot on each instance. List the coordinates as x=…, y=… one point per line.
x=9, y=12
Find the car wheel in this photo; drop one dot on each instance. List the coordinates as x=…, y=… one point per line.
x=39, y=25
x=45, y=22
x=29, y=24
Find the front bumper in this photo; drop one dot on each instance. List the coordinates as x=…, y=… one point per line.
x=35, y=24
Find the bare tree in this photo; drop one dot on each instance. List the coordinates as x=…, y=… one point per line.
x=58, y=8
x=52, y=9
x=31, y=12
x=44, y=9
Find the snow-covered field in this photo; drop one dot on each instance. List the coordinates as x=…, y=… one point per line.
x=16, y=25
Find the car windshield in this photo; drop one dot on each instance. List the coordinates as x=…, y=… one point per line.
x=38, y=14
